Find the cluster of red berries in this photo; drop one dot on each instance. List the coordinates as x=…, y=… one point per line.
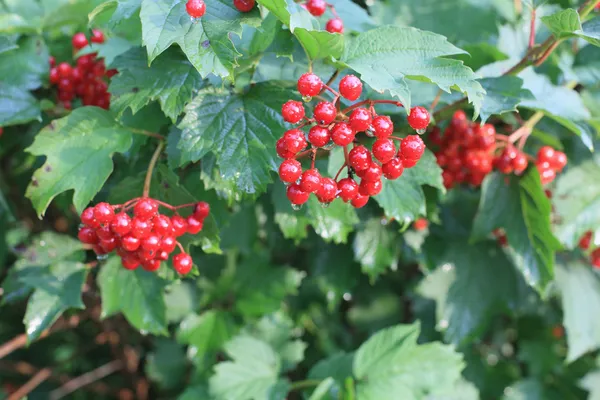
x=585, y=243
x=147, y=238
x=197, y=8
x=84, y=80
x=549, y=162
x=318, y=8
x=330, y=124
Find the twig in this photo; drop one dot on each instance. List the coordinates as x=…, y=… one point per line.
x=86, y=379
x=31, y=384
x=435, y=101
x=532, y=28
x=145, y=133
x=151, y=166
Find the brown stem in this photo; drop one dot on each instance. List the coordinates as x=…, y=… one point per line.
x=151, y=166
x=31, y=384
x=435, y=101
x=532, y=29
x=371, y=102
x=86, y=379
x=340, y=171
x=146, y=133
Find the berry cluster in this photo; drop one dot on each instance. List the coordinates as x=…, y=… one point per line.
x=584, y=244
x=85, y=79
x=330, y=124
x=197, y=8
x=147, y=238
x=549, y=162
x=318, y=8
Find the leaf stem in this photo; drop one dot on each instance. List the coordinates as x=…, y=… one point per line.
x=146, y=133
x=308, y=383
x=151, y=166
x=435, y=101
x=532, y=28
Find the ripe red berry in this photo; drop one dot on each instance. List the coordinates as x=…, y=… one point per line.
x=183, y=263
x=296, y=195
x=97, y=36
x=109, y=245
x=342, y=134
x=52, y=61
x=168, y=244
x=418, y=118
x=359, y=158
x=194, y=225
x=99, y=70
x=370, y=188
x=383, y=126
x=448, y=179
x=104, y=213
x=393, y=169
x=145, y=208
x=179, y=225
x=319, y=136
x=350, y=87
x=360, y=120
x=360, y=201
x=412, y=147
x=282, y=150
x=130, y=243
x=151, y=243
x=104, y=232
x=85, y=62
x=327, y=191
x=54, y=77
x=141, y=228
x=88, y=218
x=409, y=162
x=195, y=8
x=325, y=113
x=310, y=181
x=162, y=225
x=290, y=170
x=310, y=85
x=201, y=210
x=244, y=5
x=316, y=7
x=348, y=189
x=87, y=235
x=559, y=161
x=335, y=25
x=546, y=153
x=151, y=265
x=130, y=262
x=373, y=173
x=66, y=85
x=420, y=224
x=292, y=111
x=585, y=241
x=547, y=174
x=519, y=163
x=294, y=140
x=64, y=70
x=384, y=150
x=79, y=41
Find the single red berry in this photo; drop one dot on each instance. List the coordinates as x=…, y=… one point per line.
x=421, y=224
x=79, y=41
x=162, y=256
x=151, y=243
x=342, y=134
x=64, y=70
x=348, y=189
x=282, y=150
x=310, y=85
x=384, y=150
x=141, y=228
x=87, y=235
x=310, y=181
x=290, y=171
x=503, y=164
x=319, y=136
x=111, y=72
x=201, y=210
x=162, y=225
x=412, y=147
x=335, y=25
x=327, y=191
x=546, y=154
x=145, y=255
x=52, y=61
x=77, y=75
x=559, y=161
x=151, y=265
x=584, y=242
x=448, y=179
x=66, y=85
x=99, y=70
x=97, y=36
x=88, y=218
x=360, y=120
x=130, y=243
x=293, y=111
x=145, y=208
x=393, y=169
x=409, y=162
x=179, y=225
x=294, y=140
x=370, y=188
x=104, y=232
x=418, y=118
x=360, y=201
x=325, y=113
x=183, y=263
x=54, y=76
x=359, y=158
x=108, y=245
x=383, y=126
x=373, y=173
x=194, y=226
x=244, y=5
x=104, y=213
x=316, y=7
x=195, y=8
x=350, y=87
x=547, y=174
x=168, y=244
x=130, y=262
x=519, y=163
x=85, y=62
x=296, y=195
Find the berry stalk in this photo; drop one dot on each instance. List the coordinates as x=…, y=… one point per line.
x=148, y=180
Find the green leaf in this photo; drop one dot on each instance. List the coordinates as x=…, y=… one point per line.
x=55, y=292
x=196, y=392
x=577, y=202
x=567, y=24
x=166, y=365
x=403, y=199
x=374, y=248
x=17, y=106
x=109, y=50
x=322, y=389
x=503, y=94
x=251, y=374
x=8, y=43
x=337, y=366
x=26, y=67
x=171, y=80
x=78, y=150
x=580, y=296
x=122, y=10
x=523, y=210
x=462, y=390
x=387, y=56
x=137, y=294
x=240, y=130
x=207, y=331
x=206, y=43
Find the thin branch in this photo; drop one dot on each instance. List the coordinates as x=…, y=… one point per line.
x=31, y=384
x=532, y=28
x=86, y=379
x=145, y=133
x=151, y=166
x=435, y=101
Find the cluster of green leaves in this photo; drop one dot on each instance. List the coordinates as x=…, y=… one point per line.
x=325, y=303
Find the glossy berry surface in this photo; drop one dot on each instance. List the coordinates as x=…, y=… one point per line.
x=244, y=5
x=310, y=85
x=384, y=150
x=79, y=41
x=290, y=171
x=319, y=136
x=383, y=126
x=316, y=7
x=351, y=87
x=335, y=25
x=195, y=8
x=342, y=134
x=325, y=113
x=293, y=111
x=412, y=147
x=360, y=120
x=419, y=118
x=360, y=158
x=296, y=195
x=310, y=181
x=182, y=263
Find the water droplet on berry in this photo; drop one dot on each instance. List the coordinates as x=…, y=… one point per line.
x=329, y=146
x=194, y=20
x=325, y=205
x=370, y=131
x=101, y=257
x=421, y=131
x=306, y=98
x=296, y=207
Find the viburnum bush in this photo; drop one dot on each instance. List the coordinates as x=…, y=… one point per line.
x=311, y=199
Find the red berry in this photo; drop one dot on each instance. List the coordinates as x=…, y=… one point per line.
x=519, y=163
x=310, y=85
x=335, y=25
x=360, y=120
x=350, y=87
x=547, y=174
x=130, y=243
x=360, y=201
x=584, y=242
x=412, y=147
x=87, y=235
x=373, y=173
x=325, y=113
x=54, y=77
x=104, y=232
x=183, y=263
x=52, y=61
x=319, y=136
x=104, y=213
x=151, y=265
x=195, y=8
x=179, y=225
x=546, y=154
x=290, y=171
x=108, y=245
x=99, y=70
x=384, y=150
x=151, y=243
x=316, y=7
x=420, y=224
x=418, y=118
x=194, y=226
x=130, y=262
x=88, y=218
x=146, y=255
x=141, y=228
x=244, y=5
x=393, y=169
x=559, y=161
x=448, y=179
x=311, y=181
x=168, y=244
x=85, y=62
x=370, y=188
x=348, y=189
x=294, y=140
x=342, y=134
x=64, y=70
x=145, y=208
x=162, y=225
x=292, y=111
x=79, y=41
x=296, y=195
x=327, y=191
x=282, y=150
x=359, y=158
x=409, y=163
x=383, y=126
x=201, y=210
x=97, y=36
x=503, y=163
